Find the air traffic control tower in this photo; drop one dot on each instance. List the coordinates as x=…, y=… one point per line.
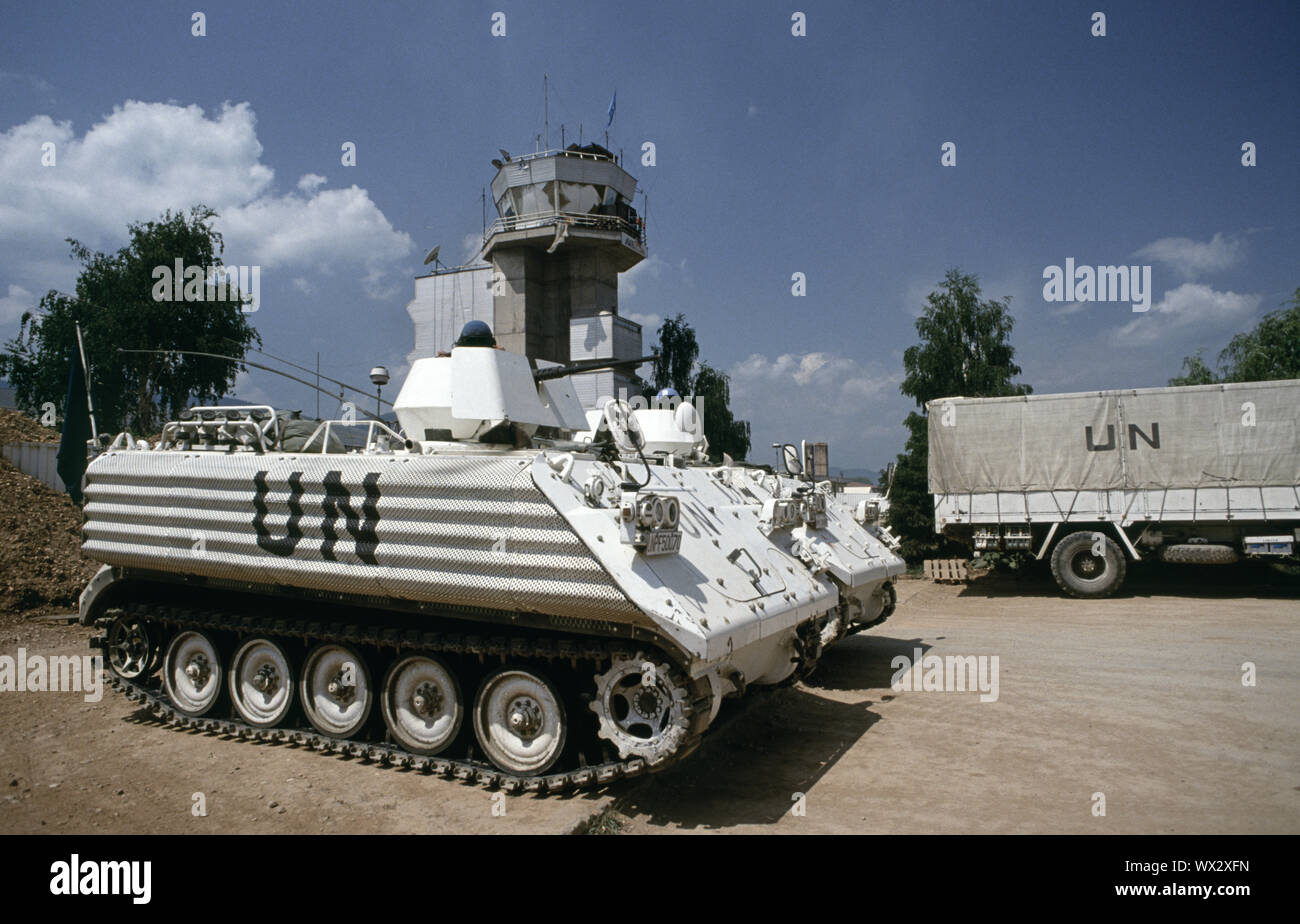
x=546, y=278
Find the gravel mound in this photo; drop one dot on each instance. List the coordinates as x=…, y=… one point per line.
x=41, y=568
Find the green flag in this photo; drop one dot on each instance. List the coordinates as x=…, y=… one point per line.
x=76, y=430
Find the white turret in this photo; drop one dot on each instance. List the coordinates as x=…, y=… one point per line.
x=482, y=393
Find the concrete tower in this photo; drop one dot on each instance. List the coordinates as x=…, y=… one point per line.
x=565, y=230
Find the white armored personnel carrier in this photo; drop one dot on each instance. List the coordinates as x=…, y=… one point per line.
x=478, y=595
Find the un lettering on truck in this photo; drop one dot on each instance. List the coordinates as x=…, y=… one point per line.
x=1199, y=474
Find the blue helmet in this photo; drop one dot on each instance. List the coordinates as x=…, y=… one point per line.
x=476, y=334
x=668, y=392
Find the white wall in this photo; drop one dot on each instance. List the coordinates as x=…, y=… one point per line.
x=40, y=460
x=444, y=303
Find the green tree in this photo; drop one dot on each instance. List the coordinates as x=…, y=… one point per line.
x=678, y=367
x=1194, y=372
x=726, y=434
x=115, y=305
x=965, y=350
x=678, y=352
x=1271, y=351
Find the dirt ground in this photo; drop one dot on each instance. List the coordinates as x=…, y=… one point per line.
x=1139, y=698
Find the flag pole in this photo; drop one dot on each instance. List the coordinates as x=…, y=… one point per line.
x=90, y=402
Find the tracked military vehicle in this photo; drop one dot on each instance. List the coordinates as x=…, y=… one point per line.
x=479, y=595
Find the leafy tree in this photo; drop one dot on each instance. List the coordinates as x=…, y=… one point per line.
x=1270, y=351
x=678, y=352
x=1195, y=372
x=965, y=350
x=677, y=366
x=115, y=305
x=725, y=433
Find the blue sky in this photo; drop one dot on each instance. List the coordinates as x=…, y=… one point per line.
x=776, y=154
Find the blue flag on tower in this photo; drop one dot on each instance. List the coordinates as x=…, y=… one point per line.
x=613, y=101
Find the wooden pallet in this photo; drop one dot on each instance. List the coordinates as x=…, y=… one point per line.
x=947, y=570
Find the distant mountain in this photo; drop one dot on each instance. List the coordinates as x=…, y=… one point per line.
x=871, y=476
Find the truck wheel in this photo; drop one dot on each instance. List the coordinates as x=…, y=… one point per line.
x=1080, y=572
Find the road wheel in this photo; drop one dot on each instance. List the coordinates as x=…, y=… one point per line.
x=261, y=683
x=519, y=720
x=1081, y=572
x=421, y=703
x=335, y=690
x=192, y=673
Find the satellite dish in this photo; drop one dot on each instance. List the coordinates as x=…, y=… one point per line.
x=496, y=163
x=505, y=154
x=433, y=255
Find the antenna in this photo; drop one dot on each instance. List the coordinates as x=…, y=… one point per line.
x=546, y=109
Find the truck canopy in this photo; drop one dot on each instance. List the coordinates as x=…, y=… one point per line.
x=1238, y=435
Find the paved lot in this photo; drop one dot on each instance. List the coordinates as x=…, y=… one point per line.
x=1139, y=698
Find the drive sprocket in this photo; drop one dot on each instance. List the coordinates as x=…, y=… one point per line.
x=642, y=708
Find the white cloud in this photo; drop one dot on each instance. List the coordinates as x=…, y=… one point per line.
x=835, y=383
x=15, y=303
x=1069, y=308
x=855, y=406
x=1191, y=259
x=649, y=323
x=144, y=158
x=650, y=268
x=752, y=111
x=1191, y=305
x=471, y=246
x=302, y=285
x=36, y=83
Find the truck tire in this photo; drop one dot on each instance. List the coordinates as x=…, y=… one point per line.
x=1197, y=553
x=1080, y=573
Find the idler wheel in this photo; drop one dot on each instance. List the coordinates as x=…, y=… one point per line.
x=132, y=647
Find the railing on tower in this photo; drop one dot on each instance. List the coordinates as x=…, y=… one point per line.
x=633, y=228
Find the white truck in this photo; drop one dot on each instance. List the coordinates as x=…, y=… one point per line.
x=1202, y=474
